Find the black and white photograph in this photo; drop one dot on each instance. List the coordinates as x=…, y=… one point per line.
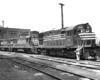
x=49, y=40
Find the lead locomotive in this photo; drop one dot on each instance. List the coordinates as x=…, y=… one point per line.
x=64, y=42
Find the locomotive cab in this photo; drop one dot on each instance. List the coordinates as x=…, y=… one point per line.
x=79, y=29
x=89, y=47
x=83, y=35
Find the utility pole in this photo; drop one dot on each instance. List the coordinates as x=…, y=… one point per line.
x=62, y=24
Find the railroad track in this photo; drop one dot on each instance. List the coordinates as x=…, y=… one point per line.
x=50, y=71
x=21, y=61
x=68, y=62
x=32, y=67
x=23, y=66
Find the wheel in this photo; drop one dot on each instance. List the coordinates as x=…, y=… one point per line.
x=86, y=55
x=14, y=50
x=70, y=54
x=28, y=51
x=43, y=52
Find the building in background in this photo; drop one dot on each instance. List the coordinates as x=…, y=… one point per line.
x=6, y=32
x=12, y=32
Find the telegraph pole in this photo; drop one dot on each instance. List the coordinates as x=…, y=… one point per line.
x=62, y=24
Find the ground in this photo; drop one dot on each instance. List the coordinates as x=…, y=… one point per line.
x=9, y=71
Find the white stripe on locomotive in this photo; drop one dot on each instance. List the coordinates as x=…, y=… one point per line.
x=87, y=36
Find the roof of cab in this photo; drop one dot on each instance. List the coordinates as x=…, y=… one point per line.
x=72, y=27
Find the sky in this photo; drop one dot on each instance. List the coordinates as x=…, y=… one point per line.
x=44, y=15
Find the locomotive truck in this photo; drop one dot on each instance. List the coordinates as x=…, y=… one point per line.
x=62, y=42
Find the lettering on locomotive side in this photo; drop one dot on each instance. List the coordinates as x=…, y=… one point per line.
x=54, y=37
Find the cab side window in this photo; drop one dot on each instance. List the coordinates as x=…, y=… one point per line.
x=75, y=32
x=79, y=31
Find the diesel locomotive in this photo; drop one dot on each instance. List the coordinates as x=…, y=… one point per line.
x=62, y=42
x=22, y=43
